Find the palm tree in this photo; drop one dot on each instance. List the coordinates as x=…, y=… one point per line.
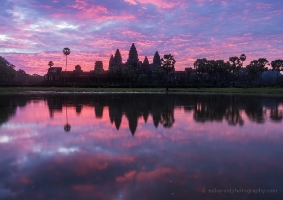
x=243, y=58
x=50, y=63
x=66, y=52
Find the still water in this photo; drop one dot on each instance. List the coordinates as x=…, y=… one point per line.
x=141, y=146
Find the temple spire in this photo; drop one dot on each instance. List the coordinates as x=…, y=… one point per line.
x=118, y=58
x=111, y=61
x=133, y=55
x=145, y=62
x=156, y=59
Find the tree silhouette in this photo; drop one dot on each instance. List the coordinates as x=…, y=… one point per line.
x=252, y=71
x=243, y=58
x=168, y=64
x=262, y=62
x=66, y=52
x=50, y=64
x=235, y=66
x=211, y=68
x=278, y=66
x=7, y=70
x=222, y=69
x=201, y=65
x=257, y=66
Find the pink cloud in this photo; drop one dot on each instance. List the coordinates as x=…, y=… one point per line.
x=129, y=176
x=133, y=2
x=157, y=3
x=94, y=31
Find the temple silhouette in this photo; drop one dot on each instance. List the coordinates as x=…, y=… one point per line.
x=132, y=71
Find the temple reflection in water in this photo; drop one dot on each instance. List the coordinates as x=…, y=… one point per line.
x=131, y=106
x=205, y=108
x=182, y=144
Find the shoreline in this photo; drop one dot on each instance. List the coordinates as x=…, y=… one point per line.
x=264, y=91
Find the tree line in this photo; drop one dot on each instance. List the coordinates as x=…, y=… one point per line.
x=216, y=71
x=10, y=76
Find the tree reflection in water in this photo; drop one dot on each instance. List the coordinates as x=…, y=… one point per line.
x=67, y=126
x=205, y=108
x=233, y=115
x=203, y=147
x=8, y=107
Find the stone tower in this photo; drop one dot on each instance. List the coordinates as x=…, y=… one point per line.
x=116, y=61
x=145, y=62
x=118, y=58
x=133, y=56
x=98, y=65
x=111, y=61
x=145, y=65
x=156, y=59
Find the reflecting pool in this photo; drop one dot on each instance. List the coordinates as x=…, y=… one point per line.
x=141, y=146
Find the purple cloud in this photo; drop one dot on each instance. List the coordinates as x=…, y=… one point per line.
x=34, y=32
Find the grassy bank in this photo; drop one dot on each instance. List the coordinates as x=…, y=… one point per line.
x=253, y=91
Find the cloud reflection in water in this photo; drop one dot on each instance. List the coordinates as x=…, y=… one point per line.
x=130, y=152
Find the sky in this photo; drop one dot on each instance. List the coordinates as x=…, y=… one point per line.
x=34, y=32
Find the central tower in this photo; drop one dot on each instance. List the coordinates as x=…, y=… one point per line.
x=133, y=56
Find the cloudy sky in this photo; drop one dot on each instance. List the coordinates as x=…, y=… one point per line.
x=34, y=32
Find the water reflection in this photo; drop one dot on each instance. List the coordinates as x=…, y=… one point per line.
x=182, y=144
x=8, y=106
x=67, y=126
x=161, y=107
x=205, y=108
